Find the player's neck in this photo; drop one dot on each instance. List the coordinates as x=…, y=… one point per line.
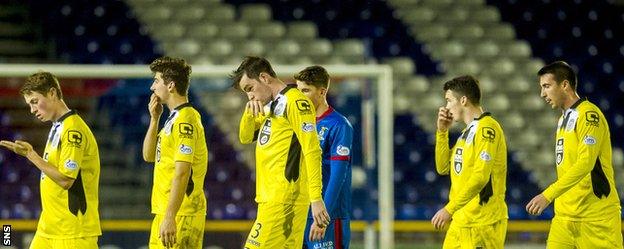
x=472, y=113
x=322, y=108
x=570, y=100
x=175, y=101
x=276, y=86
x=60, y=109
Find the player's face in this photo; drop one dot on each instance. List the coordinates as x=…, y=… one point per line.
x=454, y=105
x=552, y=92
x=256, y=89
x=160, y=88
x=316, y=94
x=40, y=105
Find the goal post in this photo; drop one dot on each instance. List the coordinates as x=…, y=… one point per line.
x=380, y=108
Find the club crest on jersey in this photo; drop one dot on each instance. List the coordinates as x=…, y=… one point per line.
x=265, y=133
x=186, y=130
x=307, y=127
x=71, y=165
x=185, y=149
x=74, y=138
x=343, y=150
x=279, y=108
x=592, y=118
x=304, y=106
x=458, y=160
x=559, y=151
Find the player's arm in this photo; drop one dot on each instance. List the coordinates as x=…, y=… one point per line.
x=339, y=164
x=185, y=141
x=23, y=148
x=486, y=146
x=151, y=137
x=300, y=114
x=250, y=122
x=590, y=137
x=442, y=152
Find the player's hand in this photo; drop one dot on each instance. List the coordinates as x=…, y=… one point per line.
x=441, y=218
x=445, y=119
x=537, y=205
x=21, y=148
x=255, y=107
x=317, y=232
x=167, y=233
x=154, y=106
x=319, y=213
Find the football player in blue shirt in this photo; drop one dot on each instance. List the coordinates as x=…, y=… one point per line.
x=335, y=134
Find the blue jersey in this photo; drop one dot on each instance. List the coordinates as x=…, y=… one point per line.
x=336, y=135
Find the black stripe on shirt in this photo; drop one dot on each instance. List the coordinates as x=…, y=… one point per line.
x=76, y=199
x=486, y=192
x=291, y=172
x=600, y=184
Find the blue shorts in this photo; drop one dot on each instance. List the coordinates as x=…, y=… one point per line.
x=337, y=235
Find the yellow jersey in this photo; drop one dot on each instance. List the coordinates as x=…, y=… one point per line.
x=477, y=164
x=181, y=139
x=585, y=187
x=72, y=213
x=288, y=152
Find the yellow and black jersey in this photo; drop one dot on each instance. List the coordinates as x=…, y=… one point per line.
x=181, y=139
x=585, y=188
x=288, y=153
x=477, y=164
x=72, y=213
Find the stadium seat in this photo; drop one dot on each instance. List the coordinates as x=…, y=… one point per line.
x=188, y=14
x=504, y=32
x=301, y=31
x=235, y=31
x=203, y=31
x=485, y=15
x=255, y=13
x=220, y=13
x=270, y=31
x=417, y=16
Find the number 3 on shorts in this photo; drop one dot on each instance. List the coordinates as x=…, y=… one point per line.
x=257, y=230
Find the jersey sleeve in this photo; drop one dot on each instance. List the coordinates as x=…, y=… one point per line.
x=185, y=138
x=486, y=142
x=73, y=143
x=340, y=159
x=442, y=152
x=248, y=127
x=302, y=118
x=591, y=133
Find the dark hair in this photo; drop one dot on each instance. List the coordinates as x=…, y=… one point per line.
x=252, y=66
x=465, y=86
x=173, y=69
x=41, y=82
x=561, y=71
x=314, y=75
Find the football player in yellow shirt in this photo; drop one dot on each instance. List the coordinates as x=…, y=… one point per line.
x=70, y=169
x=477, y=163
x=288, y=156
x=181, y=159
x=587, y=207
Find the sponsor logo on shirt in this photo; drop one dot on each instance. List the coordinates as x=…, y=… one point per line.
x=485, y=156
x=304, y=106
x=186, y=130
x=592, y=118
x=74, y=138
x=185, y=149
x=559, y=151
x=488, y=134
x=307, y=127
x=343, y=150
x=71, y=165
x=589, y=140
